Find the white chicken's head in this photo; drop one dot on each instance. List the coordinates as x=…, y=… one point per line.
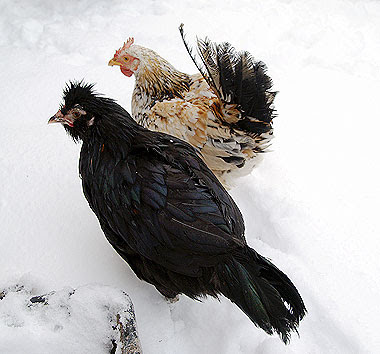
x=124, y=58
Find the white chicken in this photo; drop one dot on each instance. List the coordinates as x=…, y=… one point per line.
x=225, y=110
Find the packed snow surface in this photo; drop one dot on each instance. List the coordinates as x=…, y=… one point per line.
x=312, y=206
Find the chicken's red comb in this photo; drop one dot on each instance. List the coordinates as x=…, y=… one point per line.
x=126, y=45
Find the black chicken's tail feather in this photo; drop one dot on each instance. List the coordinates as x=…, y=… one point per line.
x=264, y=293
x=237, y=79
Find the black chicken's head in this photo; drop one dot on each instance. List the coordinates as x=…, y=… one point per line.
x=79, y=110
x=85, y=113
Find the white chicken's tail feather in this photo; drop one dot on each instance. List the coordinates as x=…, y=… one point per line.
x=237, y=79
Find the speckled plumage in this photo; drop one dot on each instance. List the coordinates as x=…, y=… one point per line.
x=195, y=108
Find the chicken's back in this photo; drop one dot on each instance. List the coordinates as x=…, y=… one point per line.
x=202, y=119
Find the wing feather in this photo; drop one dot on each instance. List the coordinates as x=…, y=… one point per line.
x=164, y=209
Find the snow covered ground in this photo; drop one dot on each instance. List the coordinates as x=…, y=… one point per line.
x=312, y=205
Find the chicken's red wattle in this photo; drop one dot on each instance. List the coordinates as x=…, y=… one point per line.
x=126, y=72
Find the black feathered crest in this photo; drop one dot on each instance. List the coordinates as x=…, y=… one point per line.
x=97, y=107
x=237, y=79
x=82, y=94
x=77, y=91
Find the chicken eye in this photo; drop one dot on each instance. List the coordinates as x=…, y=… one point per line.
x=76, y=114
x=126, y=59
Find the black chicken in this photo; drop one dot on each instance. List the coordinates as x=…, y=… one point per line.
x=168, y=216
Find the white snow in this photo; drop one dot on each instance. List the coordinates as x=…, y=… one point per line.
x=311, y=206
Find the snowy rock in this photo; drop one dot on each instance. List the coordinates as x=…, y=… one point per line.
x=89, y=319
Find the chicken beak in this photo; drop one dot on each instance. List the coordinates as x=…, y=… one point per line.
x=57, y=118
x=113, y=62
